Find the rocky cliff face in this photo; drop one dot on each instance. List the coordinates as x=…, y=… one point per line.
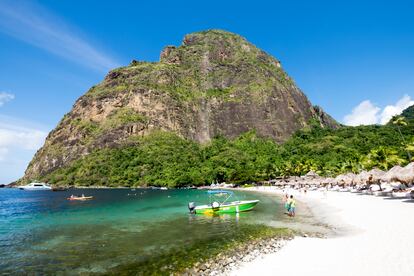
x=215, y=83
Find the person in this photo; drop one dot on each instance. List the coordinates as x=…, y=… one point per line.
x=292, y=206
x=286, y=201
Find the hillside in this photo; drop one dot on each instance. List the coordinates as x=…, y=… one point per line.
x=215, y=84
x=408, y=113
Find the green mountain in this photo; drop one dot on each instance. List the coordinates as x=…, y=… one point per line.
x=408, y=113
x=215, y=84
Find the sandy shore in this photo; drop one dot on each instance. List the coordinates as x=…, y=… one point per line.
x=375, y=236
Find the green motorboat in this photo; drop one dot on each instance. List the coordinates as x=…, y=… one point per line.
x=220, y=204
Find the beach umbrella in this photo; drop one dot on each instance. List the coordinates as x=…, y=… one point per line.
x=391, y=175
x=340, y=179
x=327, y=180
x=406, y=175
x=311, y=174
x=345, y=179
x=375, y=175
x=361, y=178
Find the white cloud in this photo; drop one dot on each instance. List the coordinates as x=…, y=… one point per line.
x=19, y=141
x=37, y=26
x=392, y=110
x=5, y=97
x=28, y=139
x=366, y=113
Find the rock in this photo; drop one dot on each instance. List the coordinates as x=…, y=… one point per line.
x=169, y=96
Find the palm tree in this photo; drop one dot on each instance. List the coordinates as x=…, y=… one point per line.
x=400, y=121
x=383, y=158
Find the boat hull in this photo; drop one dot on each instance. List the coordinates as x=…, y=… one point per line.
x=35, y=189
x=80, y=198
x=232, y=207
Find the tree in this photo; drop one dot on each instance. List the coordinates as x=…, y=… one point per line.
x=382, y=158
x=400, y=121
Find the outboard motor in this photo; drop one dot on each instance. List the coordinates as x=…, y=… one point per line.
x=191, y=207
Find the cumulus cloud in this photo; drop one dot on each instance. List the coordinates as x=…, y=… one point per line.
x=367, y=113
x=33, y=24
x=5, y=97
x=392, y=110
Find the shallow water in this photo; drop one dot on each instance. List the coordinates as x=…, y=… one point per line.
x=42, y=232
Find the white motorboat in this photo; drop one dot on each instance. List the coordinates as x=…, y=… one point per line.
x=35, y=186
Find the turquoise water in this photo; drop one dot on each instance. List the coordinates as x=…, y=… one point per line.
x=42, y=232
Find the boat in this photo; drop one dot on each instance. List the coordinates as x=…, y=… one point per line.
x=220, y=204
x=164, y=188
x=35, y=186
x=72, y=197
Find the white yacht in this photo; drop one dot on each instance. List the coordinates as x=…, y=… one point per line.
x=35, y=186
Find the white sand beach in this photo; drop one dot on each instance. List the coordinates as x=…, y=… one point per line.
x=378, y=239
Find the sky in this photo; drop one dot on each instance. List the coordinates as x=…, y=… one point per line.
x=353, y=58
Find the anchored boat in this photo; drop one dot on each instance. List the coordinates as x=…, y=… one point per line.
x=219, y=203
x=35, y=186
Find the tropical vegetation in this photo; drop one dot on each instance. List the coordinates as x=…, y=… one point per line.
x=165, y=159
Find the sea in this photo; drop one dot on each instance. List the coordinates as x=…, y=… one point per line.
x=41, y=232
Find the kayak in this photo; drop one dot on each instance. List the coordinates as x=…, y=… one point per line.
x=80, y=198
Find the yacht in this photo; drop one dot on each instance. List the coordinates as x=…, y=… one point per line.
x=35, y=186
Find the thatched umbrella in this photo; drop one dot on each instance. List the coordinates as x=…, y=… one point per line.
x=391, y=175
x=350, y=179
x=375, y=176
x=327, y=180
x=345, y=179
x=406, y=174
x=311, y=174
x=340, y=179
x=361, y=178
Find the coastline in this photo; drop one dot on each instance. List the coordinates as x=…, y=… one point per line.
x=372, y=236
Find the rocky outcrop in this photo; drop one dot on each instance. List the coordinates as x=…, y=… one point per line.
x=215, y=83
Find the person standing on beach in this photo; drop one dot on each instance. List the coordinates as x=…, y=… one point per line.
x=286, y=201
x=292, y=206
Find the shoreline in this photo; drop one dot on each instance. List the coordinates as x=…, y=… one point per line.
x=228, y=262
x=372, y=236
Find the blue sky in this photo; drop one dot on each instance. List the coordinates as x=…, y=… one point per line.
x=354, y=59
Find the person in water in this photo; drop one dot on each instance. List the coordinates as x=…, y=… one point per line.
x=292, y=206
x=286, y=201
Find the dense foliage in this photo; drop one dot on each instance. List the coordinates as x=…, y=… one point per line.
x=165, y=159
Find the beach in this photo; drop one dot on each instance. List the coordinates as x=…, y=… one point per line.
x=372, y=236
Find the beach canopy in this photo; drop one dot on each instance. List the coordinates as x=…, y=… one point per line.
x=213, y=192
x=375, y=175
x=392, y=175
x=362, y=178
x=406, y=175
x=311, y=174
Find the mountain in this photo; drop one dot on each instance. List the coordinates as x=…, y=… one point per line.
x=408, y=113
x=215, y=83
